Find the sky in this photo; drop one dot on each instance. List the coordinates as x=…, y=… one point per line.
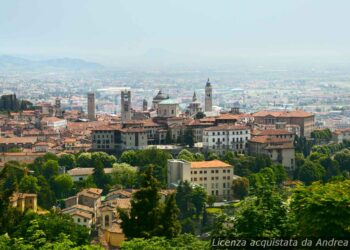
x=126, y=31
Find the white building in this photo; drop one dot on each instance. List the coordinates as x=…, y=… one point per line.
x=53, y=123
x=214, y=176
x=222, y=138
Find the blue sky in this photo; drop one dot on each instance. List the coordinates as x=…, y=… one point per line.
x=182, y=30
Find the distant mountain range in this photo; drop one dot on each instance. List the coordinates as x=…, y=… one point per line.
x=8, y=62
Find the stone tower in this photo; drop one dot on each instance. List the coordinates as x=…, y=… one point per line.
x=144, y=105
x=58, y=110
x=125, y=105
x=91, y=106
x=208, y=102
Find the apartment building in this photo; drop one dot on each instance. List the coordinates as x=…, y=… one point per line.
x=214, y=176
x=222, y=138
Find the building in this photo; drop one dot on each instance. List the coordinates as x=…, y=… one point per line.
x=222, y=138
x=24, y=201
x=279, y=149
x=158, y=98
x=81, y=174
x=305, y=120
x=215, y=176
x=208, y=101
x=194, y=107
x=91, y=106
x=53, y=123
x=17, y=142
x=168, y=108
x=144, y=105
x=82, y=218
x=339, y=135
x=125, y=105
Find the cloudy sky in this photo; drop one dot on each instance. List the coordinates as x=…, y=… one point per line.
x=112, y=31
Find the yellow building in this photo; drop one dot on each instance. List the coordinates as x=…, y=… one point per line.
x=24, y=201
x=214, y=176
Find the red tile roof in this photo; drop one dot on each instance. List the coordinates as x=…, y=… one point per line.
x=210, y=164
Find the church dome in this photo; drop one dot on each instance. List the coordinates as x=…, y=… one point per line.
x=160, y=96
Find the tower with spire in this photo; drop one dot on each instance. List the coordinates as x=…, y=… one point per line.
x=208, y=102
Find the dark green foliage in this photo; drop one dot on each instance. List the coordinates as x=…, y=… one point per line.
x=240, y=187
x=199, y=115
x=147, y=212
x=188, y=137
x=67, y=160
x=183, y=241
x=310, y=171
x=320, y=136
x=171, y=224
x=322, y=210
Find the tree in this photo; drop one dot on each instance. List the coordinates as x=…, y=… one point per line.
x=125, y=175
x=50, y=169
x=331, y=167
x=62, y=185
x=84, y=160
x=240, y=187
x=129, y=157
x=170, y=222
x=144, y=219
x=183, y=241
x=99, y=176
x=189, y=137
x=262, y=216
x=46, y=197
x=29, y=184
x=199, y=115
x=321, y=210
x=199, y=198
x=343, y=159
x=106, y=159
x=67, y=160
x=310, y=172
x=185, y=155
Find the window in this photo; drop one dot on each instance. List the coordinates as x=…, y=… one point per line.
x=195, y=172
x=224, y=185
x=78, y=219
x=217, y=171
x=228, y=171
x=201, y=172
x=212, y=171
x=205, y=171
x=212, y=178
x=212, y=192
x=228, y=177
x=195, y=179
x=224, y=171
x=85, y=220
x=106, y=220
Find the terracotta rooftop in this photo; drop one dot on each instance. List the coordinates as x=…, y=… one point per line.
x=268, y=139
x=86, y=171
x=226, y=128
x=295, y=113
x=82, y=214
x=210, y=164
x=14, y=140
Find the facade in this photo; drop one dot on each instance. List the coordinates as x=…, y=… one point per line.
x=24, y=201
x=194, y=106
x=81, y=174
x=53, y=123
x=222, y=138
x=305, y=120
x=340, y=135
x=125, y=105
x=208, y=102
x=215, y=176
x=168, y=108
x=17, y=142
x=91, y=106
x=280, y=150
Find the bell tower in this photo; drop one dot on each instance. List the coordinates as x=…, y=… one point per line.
x=208, y=102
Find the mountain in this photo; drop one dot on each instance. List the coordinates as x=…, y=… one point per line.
x=8, y=62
